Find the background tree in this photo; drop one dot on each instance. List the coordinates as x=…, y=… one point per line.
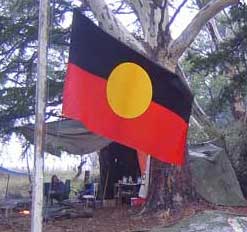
x=223, y=68
x=18, y=58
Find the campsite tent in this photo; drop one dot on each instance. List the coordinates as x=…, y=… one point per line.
x=9, y=173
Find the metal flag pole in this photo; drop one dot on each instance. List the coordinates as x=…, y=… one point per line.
x=38, y=173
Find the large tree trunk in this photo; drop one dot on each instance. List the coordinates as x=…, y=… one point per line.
x=170, y=186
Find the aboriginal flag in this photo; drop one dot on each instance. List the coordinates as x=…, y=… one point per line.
x=120, y=94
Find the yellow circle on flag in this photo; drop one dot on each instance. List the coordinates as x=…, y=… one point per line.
x=129, y=90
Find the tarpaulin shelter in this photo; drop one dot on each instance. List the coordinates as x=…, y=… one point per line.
x=67, y=135
x=9, y=172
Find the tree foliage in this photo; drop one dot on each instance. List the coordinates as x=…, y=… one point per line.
x=218, y=74
x=18, y=56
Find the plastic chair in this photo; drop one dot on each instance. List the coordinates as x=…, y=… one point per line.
x=92, y=196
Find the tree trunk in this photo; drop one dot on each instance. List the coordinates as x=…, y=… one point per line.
x=238, y=106
x=170, y=186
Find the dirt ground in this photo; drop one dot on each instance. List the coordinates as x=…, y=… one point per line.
x=103, y=220
x=110, y=220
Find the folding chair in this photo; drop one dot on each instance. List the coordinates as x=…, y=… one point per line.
x=64, y=195
x=92, y=196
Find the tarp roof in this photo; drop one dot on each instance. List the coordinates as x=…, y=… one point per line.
x=67, y=135
x=11, y=172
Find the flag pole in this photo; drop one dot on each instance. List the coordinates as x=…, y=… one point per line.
x=38, y=173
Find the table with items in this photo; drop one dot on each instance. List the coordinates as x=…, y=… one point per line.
x=124, y=191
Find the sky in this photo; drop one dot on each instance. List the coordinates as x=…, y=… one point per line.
x=181, y=21
x=11, y=158
x=9, y=154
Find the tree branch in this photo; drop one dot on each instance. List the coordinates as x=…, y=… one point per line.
x=178, y=46
x=212, y=27
x=152, y=17
x=141, y=9
x=175, y=14
x=109, y=23
x=214, y=32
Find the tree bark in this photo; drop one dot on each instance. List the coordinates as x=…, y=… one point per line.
x=109, y=23
x=153, y=17
x=170, y=187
